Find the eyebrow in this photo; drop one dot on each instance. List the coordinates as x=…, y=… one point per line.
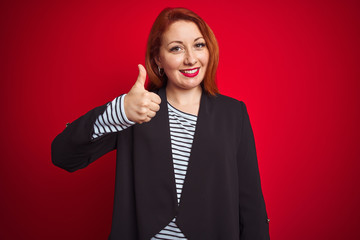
x=182, y=42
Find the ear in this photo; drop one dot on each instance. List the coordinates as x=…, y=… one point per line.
x=158, y=61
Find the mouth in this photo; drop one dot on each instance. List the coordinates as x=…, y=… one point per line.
x=190, y=72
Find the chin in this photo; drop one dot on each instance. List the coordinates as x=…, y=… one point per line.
x=191, y=86
x=186, y=83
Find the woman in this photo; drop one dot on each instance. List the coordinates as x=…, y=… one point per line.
x=186, y=160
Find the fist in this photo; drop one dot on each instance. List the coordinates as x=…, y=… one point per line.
x=141, y=105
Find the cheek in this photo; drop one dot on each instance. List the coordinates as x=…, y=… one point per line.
x=204, y=58
x=173, y=62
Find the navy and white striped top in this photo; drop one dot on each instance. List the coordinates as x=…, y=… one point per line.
x=182, y=129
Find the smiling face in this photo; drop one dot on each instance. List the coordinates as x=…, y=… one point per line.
x=183, y=55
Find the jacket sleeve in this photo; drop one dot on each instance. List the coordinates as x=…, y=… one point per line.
x=75, y=148
x=253, y=217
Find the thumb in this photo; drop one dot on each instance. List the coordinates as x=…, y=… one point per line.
x=142, y=76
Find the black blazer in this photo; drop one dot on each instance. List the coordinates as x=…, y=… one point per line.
x=221, y=197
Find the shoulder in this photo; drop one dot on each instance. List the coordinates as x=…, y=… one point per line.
x=228, y=104
x=226, y=100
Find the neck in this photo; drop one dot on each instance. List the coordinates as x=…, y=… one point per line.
x=183, y=97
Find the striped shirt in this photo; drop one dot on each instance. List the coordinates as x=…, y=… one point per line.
x=113, y=119
x=182, y=129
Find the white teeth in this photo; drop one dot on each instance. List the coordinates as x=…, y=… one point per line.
x=191, y=71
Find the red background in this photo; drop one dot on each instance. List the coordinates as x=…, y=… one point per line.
x=294, y=63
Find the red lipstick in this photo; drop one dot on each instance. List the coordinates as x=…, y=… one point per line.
x=190, y=72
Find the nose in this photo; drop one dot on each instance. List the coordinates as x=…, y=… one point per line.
x=190, y=58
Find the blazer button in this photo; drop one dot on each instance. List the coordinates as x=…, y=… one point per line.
x=267, y=220
x=67, y=124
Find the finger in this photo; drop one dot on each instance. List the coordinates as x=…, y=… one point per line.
x=155, y=98
x=142, y=76
x=147, y=119
x=151, y=114
x=142, y=111
x=154, y=107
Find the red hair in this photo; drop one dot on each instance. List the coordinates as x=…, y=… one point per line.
x=161, y=24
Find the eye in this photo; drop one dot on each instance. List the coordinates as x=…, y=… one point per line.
x=200, y=45
x=175, y=49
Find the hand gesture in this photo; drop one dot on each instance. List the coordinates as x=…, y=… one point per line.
x=141, y=105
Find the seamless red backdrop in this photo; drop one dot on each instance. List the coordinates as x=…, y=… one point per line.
x=294, y=63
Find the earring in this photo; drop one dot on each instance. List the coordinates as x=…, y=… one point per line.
x=161, y=73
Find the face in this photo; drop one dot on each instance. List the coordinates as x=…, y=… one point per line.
x=183, y=55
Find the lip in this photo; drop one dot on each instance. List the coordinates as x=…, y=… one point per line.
x=190, y=74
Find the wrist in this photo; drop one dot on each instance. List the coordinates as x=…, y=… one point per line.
x=124, y=109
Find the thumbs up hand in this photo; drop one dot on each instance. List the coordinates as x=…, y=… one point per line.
x=141, y=105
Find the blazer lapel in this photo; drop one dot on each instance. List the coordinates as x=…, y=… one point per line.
x=161, y=127
x=200, y=156
x=162, y=122
x=155, y=187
